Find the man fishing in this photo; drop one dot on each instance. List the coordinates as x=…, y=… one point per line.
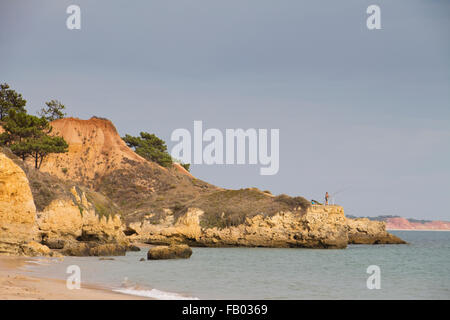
x=327, y=196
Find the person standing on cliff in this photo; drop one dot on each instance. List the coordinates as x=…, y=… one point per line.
x=327, y=196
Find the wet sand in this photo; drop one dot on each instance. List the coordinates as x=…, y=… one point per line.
x=16, y=284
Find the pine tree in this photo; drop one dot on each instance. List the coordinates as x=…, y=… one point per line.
x=53, y=111
x=10, y=100
x=28, y=136
x=150, y=147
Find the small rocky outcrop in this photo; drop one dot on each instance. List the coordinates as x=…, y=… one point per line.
x=34, y=249
x=133, y=248
x=180, y=251
x=365, y=231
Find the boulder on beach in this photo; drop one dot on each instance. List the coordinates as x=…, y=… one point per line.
x=180, y=251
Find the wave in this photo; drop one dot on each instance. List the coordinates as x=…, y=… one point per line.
x=39, y=262
x=154, y=293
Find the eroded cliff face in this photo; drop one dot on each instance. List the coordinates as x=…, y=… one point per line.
x=68, y=221
x=365, y=231
x=100, y=160
x=319, y=227
x=95, y=149
x=17, y=210
x=18, y=228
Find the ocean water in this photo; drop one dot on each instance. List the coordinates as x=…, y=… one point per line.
x=419, y=270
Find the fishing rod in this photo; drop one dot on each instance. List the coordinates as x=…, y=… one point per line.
x=332, y=196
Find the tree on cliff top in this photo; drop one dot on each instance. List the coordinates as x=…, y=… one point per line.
x=150, y=147
x=28, y=136
x=53, y=111
x=10, y=100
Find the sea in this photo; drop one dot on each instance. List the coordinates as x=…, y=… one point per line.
x=418, y=270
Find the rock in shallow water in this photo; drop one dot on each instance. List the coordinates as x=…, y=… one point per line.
x=180, y=251
x=133, y=248
x=365, y=231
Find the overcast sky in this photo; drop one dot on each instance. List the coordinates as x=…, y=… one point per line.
x=364, y=114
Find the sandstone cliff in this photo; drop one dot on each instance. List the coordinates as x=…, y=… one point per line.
x=18, y=223
x=161, y=205
x=99, y=159
x=17, y=209
x=65, y=217
x=318, y=227
x=68, y=220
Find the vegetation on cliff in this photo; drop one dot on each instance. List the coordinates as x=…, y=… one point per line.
x=226, y=208
x=152, y=148
x=54, y=110
x=10, y=100
x=27, y=135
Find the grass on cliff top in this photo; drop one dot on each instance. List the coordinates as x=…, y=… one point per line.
x=227, y=208
x=142, y=188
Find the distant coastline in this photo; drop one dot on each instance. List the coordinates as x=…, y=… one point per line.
x=400, y=223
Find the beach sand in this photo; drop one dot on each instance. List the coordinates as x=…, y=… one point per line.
x=15, y=285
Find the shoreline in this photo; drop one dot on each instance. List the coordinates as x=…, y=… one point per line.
x=15, y=284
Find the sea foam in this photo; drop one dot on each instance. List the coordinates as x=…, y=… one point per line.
x=154, y=293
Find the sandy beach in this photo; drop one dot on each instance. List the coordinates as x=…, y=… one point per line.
x=15, y=285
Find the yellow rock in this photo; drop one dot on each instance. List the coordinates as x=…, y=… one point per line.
x=17, y=209
x=69, y=220
x=36, y=249
x=365, y=231
x=319, y=227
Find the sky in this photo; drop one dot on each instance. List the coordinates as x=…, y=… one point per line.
x=363, y=114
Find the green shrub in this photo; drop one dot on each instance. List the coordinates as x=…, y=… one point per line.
x=150, y=147
x=293, y=202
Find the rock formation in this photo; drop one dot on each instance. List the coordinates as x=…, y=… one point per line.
x=80, y=201
x=75, y=219
x=100, y=160
x=19, y=232
x=180, y=251
x=365, y=231
x=319, y=227
x=17, y=210
x=67, y=222
x=93, y=249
